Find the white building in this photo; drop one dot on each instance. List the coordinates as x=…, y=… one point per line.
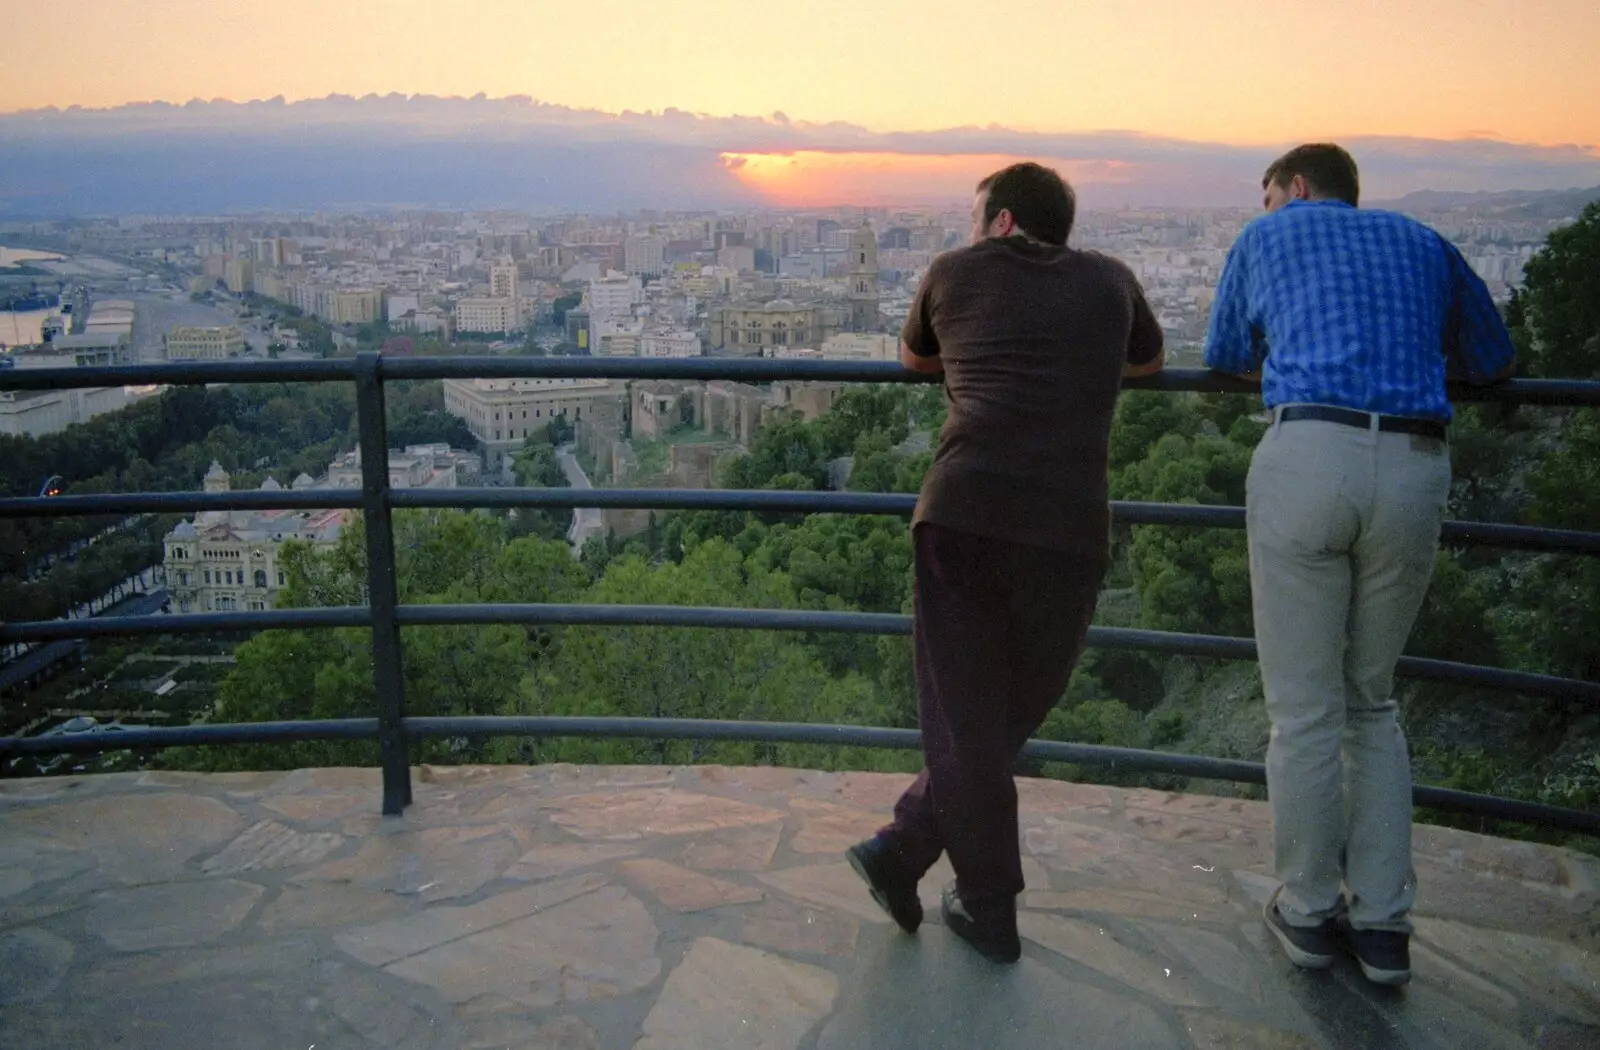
x=612, y=299
x=671, y=343
x=204, y=344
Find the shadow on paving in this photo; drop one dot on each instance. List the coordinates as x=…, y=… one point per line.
x=932, y=992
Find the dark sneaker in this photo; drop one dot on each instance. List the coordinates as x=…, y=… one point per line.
x=1310, y=947
x=892, y=888
x=995, y=940
x=1384, y=955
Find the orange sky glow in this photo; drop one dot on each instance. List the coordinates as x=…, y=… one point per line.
x=812, y=178
x=1237, y=71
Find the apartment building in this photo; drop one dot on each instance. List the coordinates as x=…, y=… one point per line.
x=644, y=255
x=491, y=315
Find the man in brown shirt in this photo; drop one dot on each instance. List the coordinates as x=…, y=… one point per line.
x=1011, y=533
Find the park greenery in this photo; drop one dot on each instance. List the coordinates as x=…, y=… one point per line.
x=1525, y=610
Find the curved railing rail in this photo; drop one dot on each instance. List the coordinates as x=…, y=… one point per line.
x=384, y=616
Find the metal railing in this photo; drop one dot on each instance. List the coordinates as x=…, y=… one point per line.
x=385, y=616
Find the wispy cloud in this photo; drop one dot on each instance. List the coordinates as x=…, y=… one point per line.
x=517, y=152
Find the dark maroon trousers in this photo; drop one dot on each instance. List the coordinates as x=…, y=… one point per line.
x=997, y=629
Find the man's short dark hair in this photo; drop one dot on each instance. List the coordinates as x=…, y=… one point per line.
x=1039, y=200
x=1329, y=171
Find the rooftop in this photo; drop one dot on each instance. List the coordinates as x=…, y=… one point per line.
x=653, y=907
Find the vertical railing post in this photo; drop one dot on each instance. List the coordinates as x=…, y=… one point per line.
x=382, y=589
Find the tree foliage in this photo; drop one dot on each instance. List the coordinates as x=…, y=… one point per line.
x=1558, y=307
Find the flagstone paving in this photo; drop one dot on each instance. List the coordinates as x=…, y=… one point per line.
x=655, y=908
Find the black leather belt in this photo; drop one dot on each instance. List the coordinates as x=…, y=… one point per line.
x=1351, y=418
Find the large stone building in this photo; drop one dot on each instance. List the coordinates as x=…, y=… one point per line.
x=228, y=560
x=752, y=328
x=502, y=413
x=217, y=343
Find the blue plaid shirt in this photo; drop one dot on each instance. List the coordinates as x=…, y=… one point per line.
x=1361, y=309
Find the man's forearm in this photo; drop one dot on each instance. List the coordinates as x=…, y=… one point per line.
x=1149, y=368
x=917, y=363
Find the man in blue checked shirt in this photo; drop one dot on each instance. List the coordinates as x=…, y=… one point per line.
x=1352, y=320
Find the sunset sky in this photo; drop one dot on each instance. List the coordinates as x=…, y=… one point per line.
x=1224, y=72
x=1234, y=71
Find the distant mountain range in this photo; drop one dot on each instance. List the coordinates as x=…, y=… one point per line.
x=1509, y=204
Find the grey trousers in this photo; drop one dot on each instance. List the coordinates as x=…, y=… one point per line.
x=1343, y=528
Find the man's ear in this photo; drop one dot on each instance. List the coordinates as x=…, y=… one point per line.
x=1299, y=188
x=1004, y=223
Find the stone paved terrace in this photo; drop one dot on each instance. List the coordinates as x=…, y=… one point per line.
x=566, y=908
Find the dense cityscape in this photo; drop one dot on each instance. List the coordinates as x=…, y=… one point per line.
x=830, y=283
x=667, y=285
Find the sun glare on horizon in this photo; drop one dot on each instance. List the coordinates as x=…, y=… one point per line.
x=816, y=178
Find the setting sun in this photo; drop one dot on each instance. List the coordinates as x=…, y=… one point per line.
x=805, y=178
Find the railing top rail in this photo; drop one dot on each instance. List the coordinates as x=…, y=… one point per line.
x=1571, y=392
